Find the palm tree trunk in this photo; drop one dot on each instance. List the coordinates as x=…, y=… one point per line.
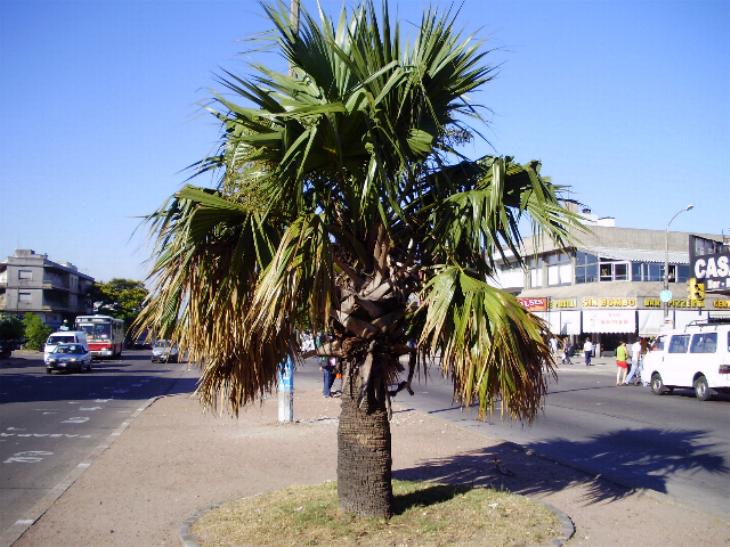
x=363, y=453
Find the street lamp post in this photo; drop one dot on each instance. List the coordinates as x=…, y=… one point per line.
x=666, y=256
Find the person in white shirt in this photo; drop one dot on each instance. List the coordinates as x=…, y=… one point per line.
x=635, y=361
x=588, y=351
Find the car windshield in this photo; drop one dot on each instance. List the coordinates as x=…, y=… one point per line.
x=60, y=339
x=162, y=344
x=74, y=349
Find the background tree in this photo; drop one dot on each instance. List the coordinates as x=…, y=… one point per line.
x=120, y=298
x=36, y=331
x=344, y=195
x=11, y=328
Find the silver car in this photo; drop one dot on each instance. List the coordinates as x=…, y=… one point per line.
x=164, y=351
x=68, y=357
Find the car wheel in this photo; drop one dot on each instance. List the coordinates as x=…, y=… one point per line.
x=657, y=385
x=702, y=390
x=49, y=371
x=88, y=366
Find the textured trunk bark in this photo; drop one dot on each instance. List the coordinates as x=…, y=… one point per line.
x=363, y=454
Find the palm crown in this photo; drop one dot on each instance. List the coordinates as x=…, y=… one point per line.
x=346, y=206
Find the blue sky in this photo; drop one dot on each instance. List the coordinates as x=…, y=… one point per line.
x=626, y=101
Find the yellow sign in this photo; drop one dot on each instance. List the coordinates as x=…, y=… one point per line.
x=563, y=303
x=721, y=304
x=593, y=302
x=679, y=303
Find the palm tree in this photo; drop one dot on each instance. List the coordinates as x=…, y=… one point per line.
x=344, y=200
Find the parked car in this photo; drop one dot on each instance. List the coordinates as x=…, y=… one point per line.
x=164, y=351
x=696, y=357
x=63, y=337
x=7, y=347
x=69, y=356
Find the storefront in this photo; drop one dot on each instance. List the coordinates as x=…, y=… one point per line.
x=610, y=320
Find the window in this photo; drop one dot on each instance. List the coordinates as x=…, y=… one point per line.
x=654, y=271
x=659, y=344
x=536, y=278
x=586, y=268
x=613, y=271
x=705, y=342
x=24, y=298
x=25, y=275
x=679, y=343
x=636, y=271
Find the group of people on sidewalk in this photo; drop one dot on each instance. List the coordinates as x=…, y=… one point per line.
x=624, y=376
x=564, y=350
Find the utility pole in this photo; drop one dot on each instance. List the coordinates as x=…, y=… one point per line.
x=286, y=368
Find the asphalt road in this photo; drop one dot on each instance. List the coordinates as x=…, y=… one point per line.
x=672, y=444
x=52, y=425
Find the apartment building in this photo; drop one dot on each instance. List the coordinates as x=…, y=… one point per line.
x=31, y=283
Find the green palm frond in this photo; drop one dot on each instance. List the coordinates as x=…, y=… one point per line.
x=342, y=194
x=491, y=347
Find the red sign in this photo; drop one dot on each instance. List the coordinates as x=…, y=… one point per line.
x=534, y=304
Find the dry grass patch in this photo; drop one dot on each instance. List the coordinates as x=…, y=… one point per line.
x=426, y=514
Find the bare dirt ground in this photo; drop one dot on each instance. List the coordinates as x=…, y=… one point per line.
x=174, y=461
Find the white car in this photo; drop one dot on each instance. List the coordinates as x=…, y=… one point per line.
x=696, y=357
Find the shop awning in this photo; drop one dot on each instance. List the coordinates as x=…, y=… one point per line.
x=637, y=255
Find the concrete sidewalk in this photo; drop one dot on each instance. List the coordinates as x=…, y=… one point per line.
x=173, y=461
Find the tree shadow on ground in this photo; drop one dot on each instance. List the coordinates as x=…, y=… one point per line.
x=430, y=495
x=631, y=455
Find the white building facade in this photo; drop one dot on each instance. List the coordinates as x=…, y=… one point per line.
x=607, y=284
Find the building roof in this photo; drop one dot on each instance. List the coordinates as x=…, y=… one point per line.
x=637, y=255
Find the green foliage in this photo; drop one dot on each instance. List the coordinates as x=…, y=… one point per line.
x=36, y=331
x=11, y=328
x=344, y=198
x=120, y=298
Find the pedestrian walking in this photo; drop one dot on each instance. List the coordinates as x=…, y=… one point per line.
x=622, y=356
x=554, y=346
x=565, y=348
x=635, y=374
x=588, y=351
x=327, y=366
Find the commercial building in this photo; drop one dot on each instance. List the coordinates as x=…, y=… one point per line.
x=607, y=284
x=31, y=283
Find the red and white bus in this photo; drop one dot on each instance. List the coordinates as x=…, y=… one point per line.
x=104, y=334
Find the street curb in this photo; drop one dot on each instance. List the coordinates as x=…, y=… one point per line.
x=187, y=539
x=14, y=532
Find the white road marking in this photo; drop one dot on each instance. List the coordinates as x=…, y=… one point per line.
x=83, y=465
x=43, y=435
x=14, y=429
x=24, y=522
x=47, y=413
x=76, y=420
x=30, y=456
x=102, y=400
x=90, y=408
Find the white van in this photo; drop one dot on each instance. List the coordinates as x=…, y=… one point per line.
x=64, y=337
x=697, y=357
